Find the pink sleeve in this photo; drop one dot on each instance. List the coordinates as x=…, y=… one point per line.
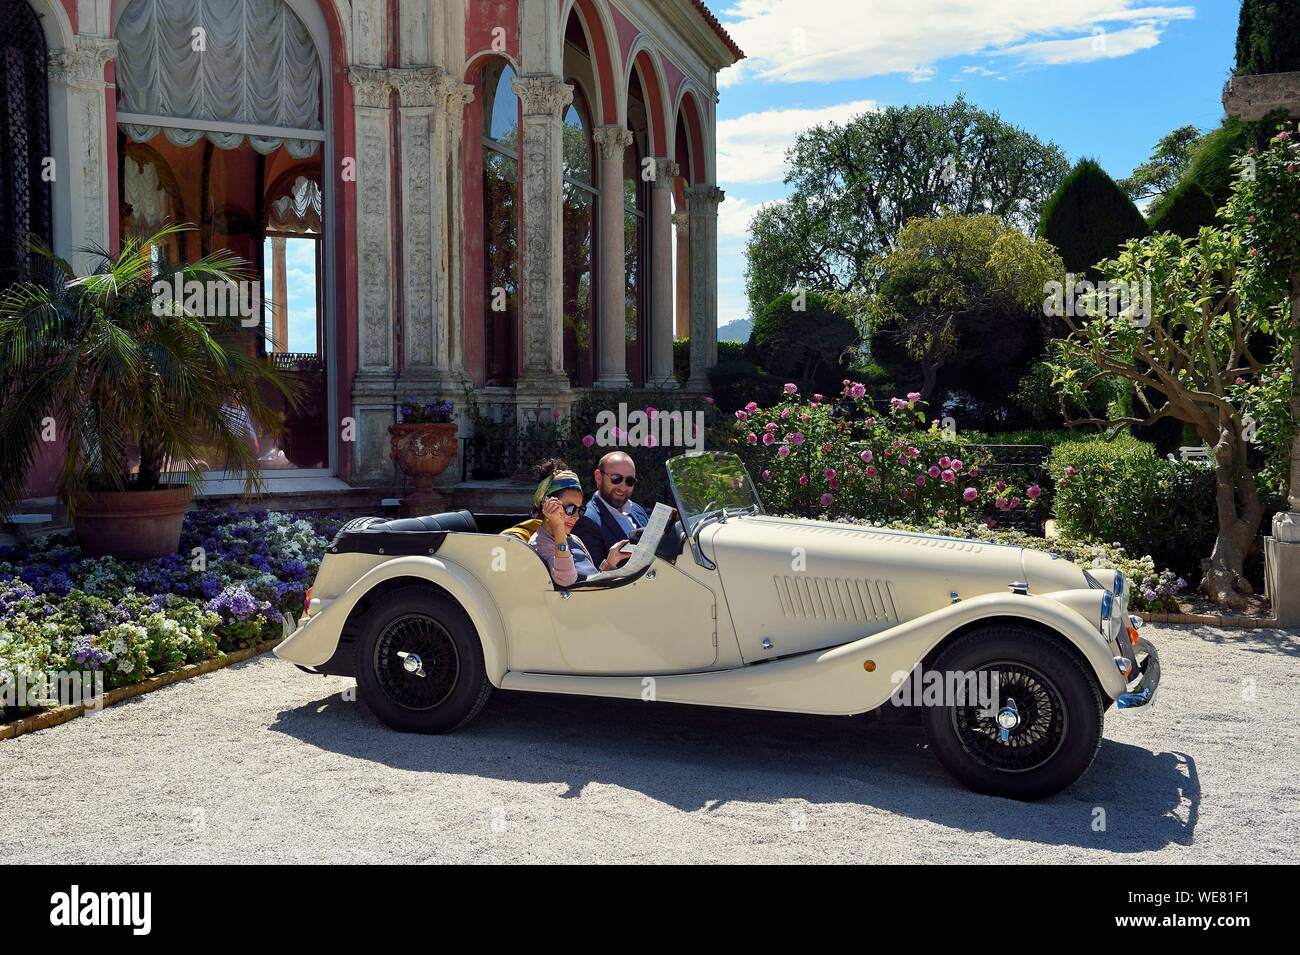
x=561, y=565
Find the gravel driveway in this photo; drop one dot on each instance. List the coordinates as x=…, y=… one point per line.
x=262, y=763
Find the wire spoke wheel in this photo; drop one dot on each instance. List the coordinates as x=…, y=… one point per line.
x=415, y=662
x=1024, y=730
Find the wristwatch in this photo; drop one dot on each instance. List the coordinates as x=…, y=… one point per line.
x=561, y=548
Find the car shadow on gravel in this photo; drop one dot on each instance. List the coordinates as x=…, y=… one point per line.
x=700, y=758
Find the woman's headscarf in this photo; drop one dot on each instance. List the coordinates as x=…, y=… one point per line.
x=554, y=484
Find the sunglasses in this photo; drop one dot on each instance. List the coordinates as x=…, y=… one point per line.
x=570, y=509
x=619, y=479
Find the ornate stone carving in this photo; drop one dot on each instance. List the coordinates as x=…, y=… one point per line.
x=613, y=141
x=373, y=258
x=453, y=97
x=681, y=220
x=666, y=171
x=370, y=86
x=82, y=65
x=418, y=259
x=542, y=95
x=418, y=85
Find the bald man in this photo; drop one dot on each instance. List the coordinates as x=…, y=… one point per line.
x=611, y=515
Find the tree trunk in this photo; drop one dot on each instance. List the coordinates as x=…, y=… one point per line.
x=1239, y=513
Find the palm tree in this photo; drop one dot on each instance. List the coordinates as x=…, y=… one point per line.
x=123, y=372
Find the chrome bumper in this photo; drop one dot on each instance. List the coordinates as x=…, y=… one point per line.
x=1148, y=680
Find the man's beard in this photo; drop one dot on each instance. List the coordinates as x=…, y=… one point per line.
x=616, y=495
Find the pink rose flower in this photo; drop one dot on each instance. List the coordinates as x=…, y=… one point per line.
x=1070, y=471
x=920, y=480
x=933, y=470
x=858, y=391
x=866, y=456
x=741, y=416
x=871, y=471
x=826, y=500
x=791, y=387
x=969, y=494
x=751, y=438
x=766, y=475
x=819, y=398
x=796, y=437
x=1034, y=490
x=803, y=480
x=956, y=464
x=752, y=406
x=708, y=399
x=588, y=441
x=783, y=451
x=945, y=462
x=768, y=437
x=948, y=475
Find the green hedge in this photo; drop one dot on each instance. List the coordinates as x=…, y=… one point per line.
x=1121, y=492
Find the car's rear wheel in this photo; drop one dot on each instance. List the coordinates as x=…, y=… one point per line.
x=419, y=662
x=1038, y=723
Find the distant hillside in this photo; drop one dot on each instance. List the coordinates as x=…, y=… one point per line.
x=737, y=331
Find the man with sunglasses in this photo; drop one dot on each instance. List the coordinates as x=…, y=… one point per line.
x=611, y=516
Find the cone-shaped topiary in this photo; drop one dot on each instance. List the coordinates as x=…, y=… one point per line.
x=1187, y=207
x=1089, y=218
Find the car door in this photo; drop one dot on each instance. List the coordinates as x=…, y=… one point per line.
x=661, y=622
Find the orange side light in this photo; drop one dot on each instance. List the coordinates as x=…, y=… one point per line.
x=1132, y=635
x=869, y=666
x=306, y=603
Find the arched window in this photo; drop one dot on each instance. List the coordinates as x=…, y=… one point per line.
x=233, y=141
x=500, y=222
x=580, y=196
x=24, y=138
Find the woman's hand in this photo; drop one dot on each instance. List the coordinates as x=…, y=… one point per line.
x=616, y=555
x=553, y=515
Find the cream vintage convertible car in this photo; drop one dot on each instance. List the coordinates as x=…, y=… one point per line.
x=1010, y=656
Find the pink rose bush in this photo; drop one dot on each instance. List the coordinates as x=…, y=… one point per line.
x=848, y=460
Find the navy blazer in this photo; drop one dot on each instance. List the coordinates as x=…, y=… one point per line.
x=600, y=531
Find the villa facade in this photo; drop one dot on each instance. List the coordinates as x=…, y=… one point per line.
x=510, y=199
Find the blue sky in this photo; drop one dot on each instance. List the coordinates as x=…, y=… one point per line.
x=1100, y=78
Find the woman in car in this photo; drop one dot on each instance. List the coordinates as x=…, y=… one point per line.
x=558, y=499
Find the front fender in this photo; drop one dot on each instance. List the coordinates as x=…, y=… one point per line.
x=317, y=637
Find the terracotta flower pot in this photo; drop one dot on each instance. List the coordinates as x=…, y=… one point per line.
x=422, y=452
x=132, y=525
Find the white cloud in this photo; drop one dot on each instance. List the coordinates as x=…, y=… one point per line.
x=734, y=215
x=751, y=148
x=1099, y=46
x=826, y=40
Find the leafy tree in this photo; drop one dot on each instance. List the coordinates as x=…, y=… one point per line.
x=1182, y=361
x=1187, y=207
x=1089, y=218
x=804, y=337
x=1168, y=162
x=1265, y=210
x=853, y=187
x=1268, y=37
x=956, y=282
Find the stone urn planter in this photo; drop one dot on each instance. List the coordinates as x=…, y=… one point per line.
x=422, y=452
x=132, y=525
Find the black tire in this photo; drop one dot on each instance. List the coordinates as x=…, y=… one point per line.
x=449, y=684
x=1060, y=712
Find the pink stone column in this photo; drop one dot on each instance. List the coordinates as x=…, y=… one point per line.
x=611, y=359
x=661, y=283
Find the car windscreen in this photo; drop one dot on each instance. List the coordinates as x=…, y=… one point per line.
x=706, y=483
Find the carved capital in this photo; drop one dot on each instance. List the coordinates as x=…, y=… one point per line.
x=666, y=171
x=81, y=66
x=612, y=140
x=454, y=96
x=703, y=199
x=370, y=86
x=542, y=95
x=418, y=85
x=682, y=221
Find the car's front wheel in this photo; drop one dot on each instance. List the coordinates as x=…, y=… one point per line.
x=419, y=662
x=1035, y=722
